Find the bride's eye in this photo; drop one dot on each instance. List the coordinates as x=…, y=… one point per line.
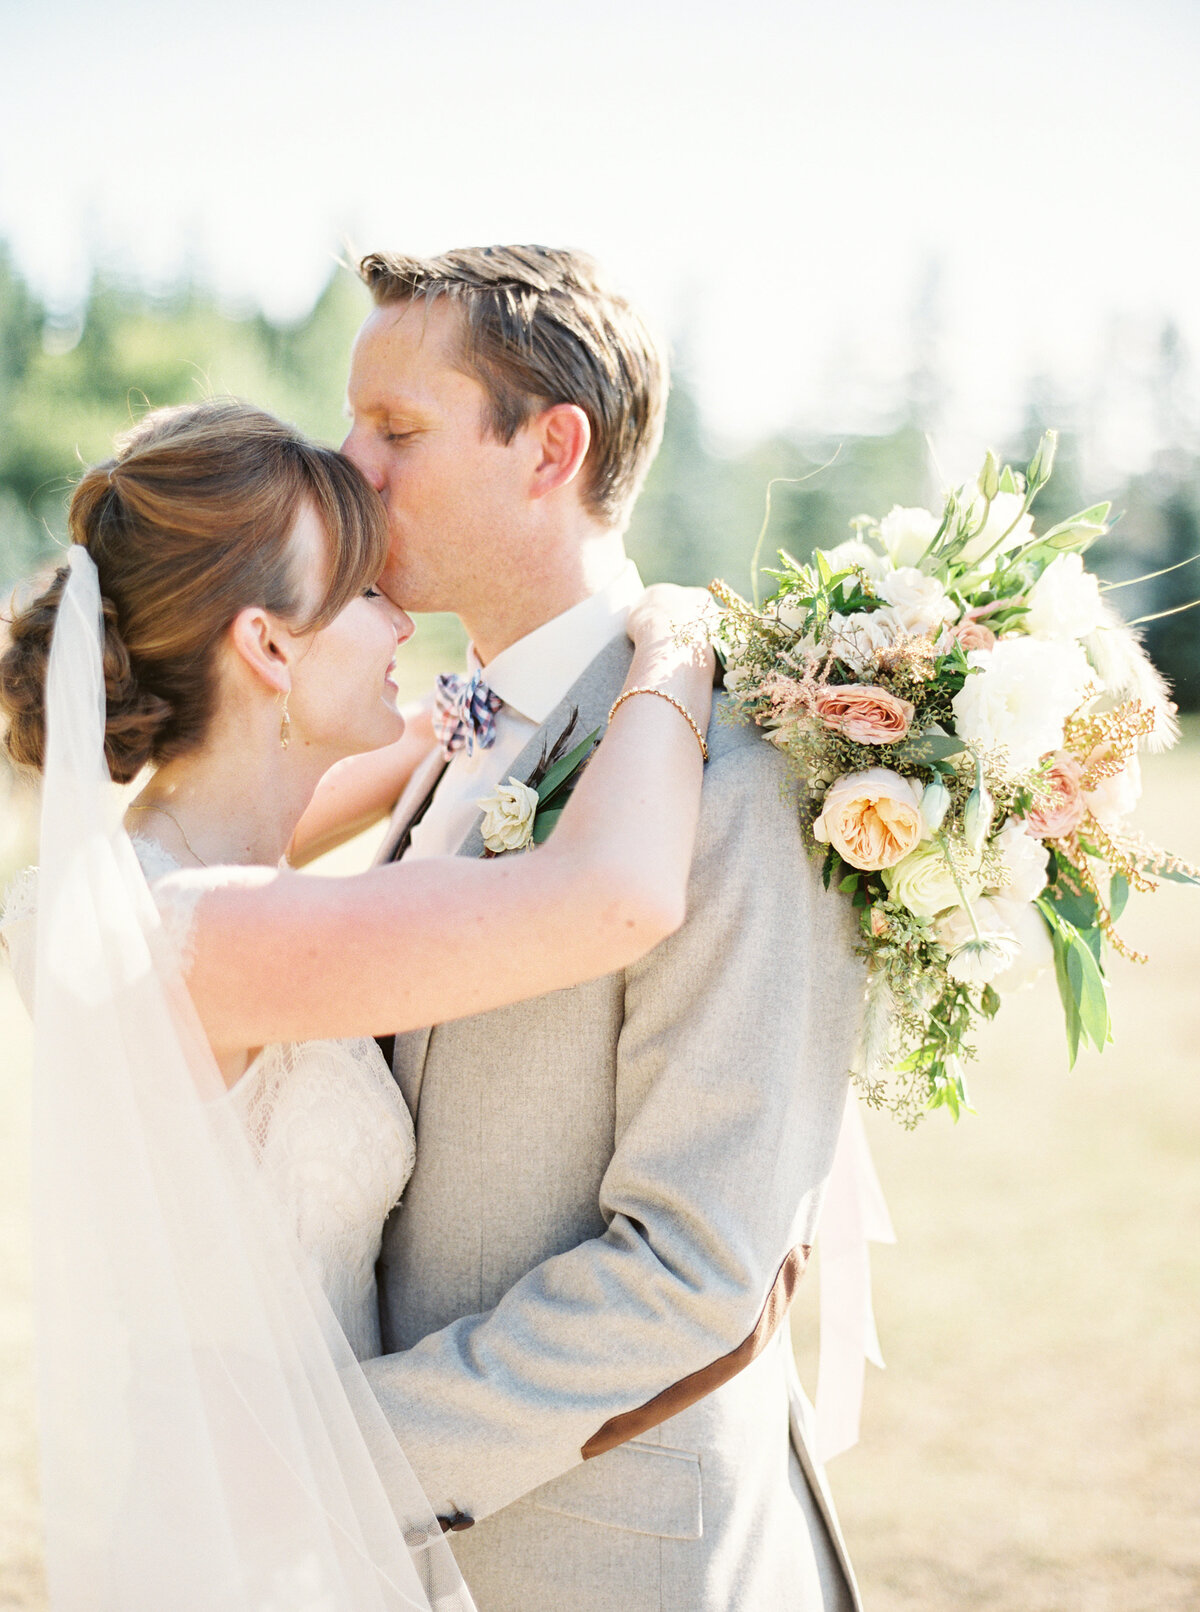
x=372, y=593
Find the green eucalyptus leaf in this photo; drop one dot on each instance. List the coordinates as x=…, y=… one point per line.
x=1118, y=895
x=1087, y=982
x=930, y=747
x=1078, y=909
x=850, y=882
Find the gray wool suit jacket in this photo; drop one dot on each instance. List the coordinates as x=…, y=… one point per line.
x=616, y=1189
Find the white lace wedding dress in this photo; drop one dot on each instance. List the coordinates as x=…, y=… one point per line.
x=327, y=1123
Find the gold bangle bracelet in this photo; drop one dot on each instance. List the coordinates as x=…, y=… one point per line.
x=671, y=700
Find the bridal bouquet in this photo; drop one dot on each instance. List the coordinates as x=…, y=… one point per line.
x=964, y=712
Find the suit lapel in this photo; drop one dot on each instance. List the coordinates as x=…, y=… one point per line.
x=591, y=695
x=411, y=807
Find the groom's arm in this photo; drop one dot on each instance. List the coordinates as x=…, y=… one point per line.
x=731, y=1082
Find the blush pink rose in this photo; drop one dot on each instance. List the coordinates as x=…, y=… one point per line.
x=1064, y=808
x=865, y=714
x=973, y=635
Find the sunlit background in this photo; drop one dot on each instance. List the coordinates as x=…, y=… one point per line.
x=891, y=233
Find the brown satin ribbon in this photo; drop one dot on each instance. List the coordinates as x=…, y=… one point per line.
x=703, y=1382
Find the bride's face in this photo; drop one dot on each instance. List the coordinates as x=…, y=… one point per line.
x=343, y=698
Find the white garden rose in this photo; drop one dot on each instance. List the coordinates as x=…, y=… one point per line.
x=907, y=533
x=508, y=816
x=1037, y=951
x=920, y=603
x=857, y=639
x=1020, y=695
x=1064, y=602
x=790, y=616
x=924, y=882
x=1024, y=860
x=1005, y=510
x=854, y=552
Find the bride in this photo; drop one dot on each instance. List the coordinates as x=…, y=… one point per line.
x=217, y=1137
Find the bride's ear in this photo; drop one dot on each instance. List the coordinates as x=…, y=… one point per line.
x=263, y=647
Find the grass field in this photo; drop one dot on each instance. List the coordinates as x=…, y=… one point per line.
x=1034, y=1445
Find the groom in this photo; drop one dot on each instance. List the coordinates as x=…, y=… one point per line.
x=585, y=1289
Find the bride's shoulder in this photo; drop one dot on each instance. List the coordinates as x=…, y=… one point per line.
x=177, y=890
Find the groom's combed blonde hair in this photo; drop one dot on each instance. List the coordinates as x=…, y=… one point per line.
x=541, y=327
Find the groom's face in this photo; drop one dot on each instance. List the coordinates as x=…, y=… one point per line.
x=455, y=495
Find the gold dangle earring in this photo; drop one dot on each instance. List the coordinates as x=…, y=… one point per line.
x=285, y=726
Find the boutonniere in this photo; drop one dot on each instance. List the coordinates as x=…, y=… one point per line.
x=517, y=815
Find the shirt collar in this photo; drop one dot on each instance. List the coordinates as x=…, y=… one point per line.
x=533, y=675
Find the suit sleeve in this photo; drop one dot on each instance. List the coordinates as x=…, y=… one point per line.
x=731, y=1083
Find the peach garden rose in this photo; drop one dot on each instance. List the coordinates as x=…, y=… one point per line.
x=872, y=819
x=864, y=713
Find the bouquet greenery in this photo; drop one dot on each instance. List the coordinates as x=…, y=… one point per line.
x=964, y=712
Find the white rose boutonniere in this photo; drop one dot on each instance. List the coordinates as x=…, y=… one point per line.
x=518, y=816
x=508, y=816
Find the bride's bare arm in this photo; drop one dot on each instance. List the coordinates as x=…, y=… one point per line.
x=285, y=957
x=361, y=790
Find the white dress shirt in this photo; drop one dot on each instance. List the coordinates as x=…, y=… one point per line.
x=531, y=676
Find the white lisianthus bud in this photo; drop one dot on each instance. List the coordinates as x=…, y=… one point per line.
x=989, y=476
x=508, y=816
x=994, y=535
x=1042, y=462
x=977, y=818
x=935, y=803
x=1064, y=602
x=906, y=534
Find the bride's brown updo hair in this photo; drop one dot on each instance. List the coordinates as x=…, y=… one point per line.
x=188, y=525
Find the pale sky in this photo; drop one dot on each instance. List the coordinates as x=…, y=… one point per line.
x=778, y=179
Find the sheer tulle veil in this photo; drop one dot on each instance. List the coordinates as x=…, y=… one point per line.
x=208, y=1439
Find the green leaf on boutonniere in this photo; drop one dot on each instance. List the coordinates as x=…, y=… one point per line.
x=544, y=824
x=561, y=771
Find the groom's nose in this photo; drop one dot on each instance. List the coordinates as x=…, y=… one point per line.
x=354, y=449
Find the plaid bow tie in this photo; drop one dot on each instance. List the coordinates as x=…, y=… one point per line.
x=465, y=713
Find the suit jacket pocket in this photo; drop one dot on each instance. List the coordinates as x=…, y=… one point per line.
x=646, y=1488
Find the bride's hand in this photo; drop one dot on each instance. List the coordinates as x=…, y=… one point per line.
x=671, y=650
x=665, y=609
